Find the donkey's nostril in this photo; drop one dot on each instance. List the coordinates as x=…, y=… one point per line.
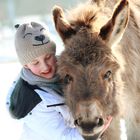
x=77, y=122
x=100, y=121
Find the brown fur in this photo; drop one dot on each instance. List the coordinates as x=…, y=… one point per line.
x=100, y=66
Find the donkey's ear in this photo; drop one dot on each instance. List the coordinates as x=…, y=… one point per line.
x=113, y=31
x=62, y=26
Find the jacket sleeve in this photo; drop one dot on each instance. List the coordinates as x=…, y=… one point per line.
x=10, y=91
x=49, y=123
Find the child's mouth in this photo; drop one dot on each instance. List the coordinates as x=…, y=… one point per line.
x=48, y=71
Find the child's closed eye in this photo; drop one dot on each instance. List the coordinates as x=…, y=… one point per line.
x=35, y=63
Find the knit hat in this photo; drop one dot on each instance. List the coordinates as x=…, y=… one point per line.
x=31, y=41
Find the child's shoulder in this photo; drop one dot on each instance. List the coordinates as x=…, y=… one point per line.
x=23, y=99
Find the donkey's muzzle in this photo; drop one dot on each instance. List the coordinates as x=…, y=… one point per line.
x=89, y=118
x=90, y=128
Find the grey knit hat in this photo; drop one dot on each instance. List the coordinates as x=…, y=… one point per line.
x=31, y=41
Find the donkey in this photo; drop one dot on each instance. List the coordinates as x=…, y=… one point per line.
x=100, y=67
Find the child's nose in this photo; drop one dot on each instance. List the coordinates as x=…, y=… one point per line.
x=44, y=67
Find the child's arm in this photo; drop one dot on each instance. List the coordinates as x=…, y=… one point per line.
x=49, y=123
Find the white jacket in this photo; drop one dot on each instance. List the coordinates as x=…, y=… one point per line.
x=49, y=123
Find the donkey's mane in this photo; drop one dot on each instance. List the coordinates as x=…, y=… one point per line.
x=80, y=17
x=85, y=47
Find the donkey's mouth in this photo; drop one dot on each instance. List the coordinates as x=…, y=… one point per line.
x=94, y=133
x=91, y=133
x=95, y=137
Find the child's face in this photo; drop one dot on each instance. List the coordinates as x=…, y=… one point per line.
x=43, y=66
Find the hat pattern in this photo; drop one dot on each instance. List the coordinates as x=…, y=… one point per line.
x=32, y=40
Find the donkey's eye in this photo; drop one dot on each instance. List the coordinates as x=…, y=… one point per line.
x=67, y=79
x=107, y=75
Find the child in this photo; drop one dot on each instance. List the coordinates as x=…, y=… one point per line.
x=36, y=97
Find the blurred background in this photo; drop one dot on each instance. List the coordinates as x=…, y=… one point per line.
x=14, y=12
x=20, y=11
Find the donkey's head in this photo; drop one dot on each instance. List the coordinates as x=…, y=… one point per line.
x=87, y=66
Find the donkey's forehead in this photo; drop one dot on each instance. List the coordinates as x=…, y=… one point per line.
x=83, y=38
x=86, y=48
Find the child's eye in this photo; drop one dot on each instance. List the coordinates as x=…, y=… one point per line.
x=35, y=63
